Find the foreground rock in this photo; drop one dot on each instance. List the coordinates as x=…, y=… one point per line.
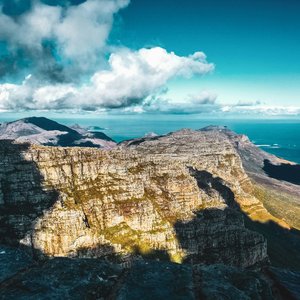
x=64, y=278
x=59, y=278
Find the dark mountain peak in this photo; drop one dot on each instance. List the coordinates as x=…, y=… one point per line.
x=48, y=124
x=43, y=131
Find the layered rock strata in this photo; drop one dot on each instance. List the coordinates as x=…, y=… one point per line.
x=181, y=194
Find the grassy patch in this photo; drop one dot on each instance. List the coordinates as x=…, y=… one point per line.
x=279, y=204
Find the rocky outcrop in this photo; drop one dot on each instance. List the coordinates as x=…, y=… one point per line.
x=59, y=278
x=181, y=194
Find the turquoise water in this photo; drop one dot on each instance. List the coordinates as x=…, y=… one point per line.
x=280, y=137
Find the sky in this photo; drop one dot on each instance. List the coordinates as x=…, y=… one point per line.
x=216, y=58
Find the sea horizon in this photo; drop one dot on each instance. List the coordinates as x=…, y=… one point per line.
x=278, y=136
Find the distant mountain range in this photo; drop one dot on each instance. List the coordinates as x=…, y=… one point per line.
x=42, y=131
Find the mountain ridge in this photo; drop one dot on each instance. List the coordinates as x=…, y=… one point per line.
x=189, y=197
x=43, y=131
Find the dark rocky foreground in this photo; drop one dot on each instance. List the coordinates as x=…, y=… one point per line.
x=65, y=278
x=181, y=216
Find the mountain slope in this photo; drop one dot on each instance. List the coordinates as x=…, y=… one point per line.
x=275, y=180
x=43, y=131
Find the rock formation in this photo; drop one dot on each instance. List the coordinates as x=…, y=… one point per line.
x=175, y=193
x=181, y=197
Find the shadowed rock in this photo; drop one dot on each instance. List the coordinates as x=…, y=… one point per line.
x=286, y=172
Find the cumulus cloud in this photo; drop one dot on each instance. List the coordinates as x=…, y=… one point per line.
x=203, y=102
x=63, y=45
x=204, y=97
x=30, y=95
x=132, y=77
x=73, y=35
x=85, y=28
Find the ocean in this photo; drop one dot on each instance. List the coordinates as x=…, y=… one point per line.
x=277, y=136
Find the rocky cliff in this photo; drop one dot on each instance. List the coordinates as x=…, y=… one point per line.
x=182, y=197
x=182, y=194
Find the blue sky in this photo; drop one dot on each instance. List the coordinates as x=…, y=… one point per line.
x=255, y=44
x=241, y=37
x=143, y=56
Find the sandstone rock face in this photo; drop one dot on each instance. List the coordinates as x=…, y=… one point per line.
x=180, y=194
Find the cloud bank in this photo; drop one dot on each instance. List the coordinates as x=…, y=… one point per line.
x=132, y=76
x=58, y=41
x=259, y=109
x=60, y=47
x=202, y=102
x=55, y=55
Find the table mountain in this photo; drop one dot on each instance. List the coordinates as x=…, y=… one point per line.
x=189, y=197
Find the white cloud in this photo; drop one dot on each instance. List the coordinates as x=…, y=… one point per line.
x=80, y=32
x=204, y=97
x=273, y=110
x=248, y=103
x=131, y=78
x=262, y=110
x=171, y=107
x=84, y=30
x=31, y=28
x=134, y=75
x=30, y=95
x=78, y=41
x=226, y=108
x=202, y=102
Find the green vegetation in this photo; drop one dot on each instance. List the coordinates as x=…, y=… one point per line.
x=127, y=237
x=279, y=204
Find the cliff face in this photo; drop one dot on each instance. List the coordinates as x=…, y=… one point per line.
x=275, y=180
x=180, y=194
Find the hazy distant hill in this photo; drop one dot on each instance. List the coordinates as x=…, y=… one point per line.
x=43, y=131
